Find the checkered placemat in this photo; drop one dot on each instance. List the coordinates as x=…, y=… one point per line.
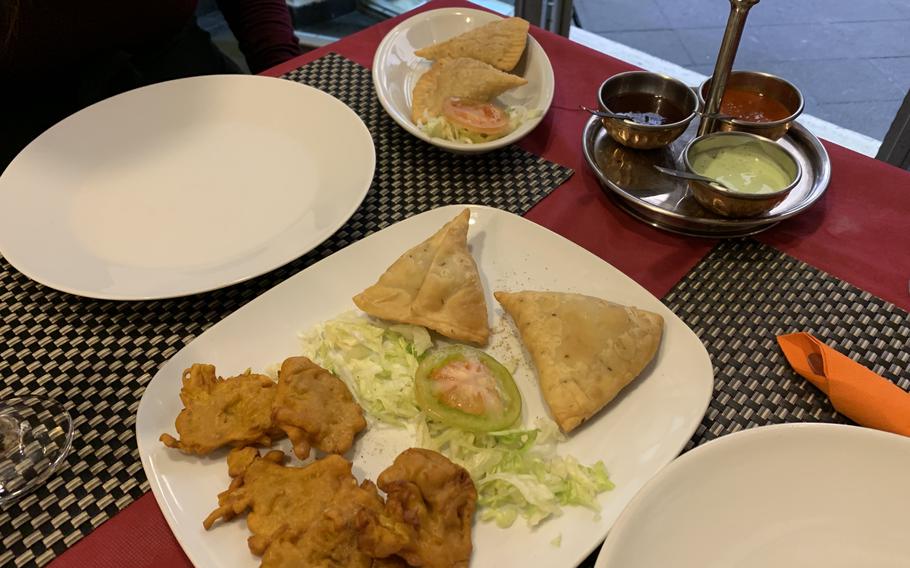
x=96, y=357
x=412, y=176
x=744, y=294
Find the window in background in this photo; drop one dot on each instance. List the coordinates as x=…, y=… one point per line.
x=850, y=59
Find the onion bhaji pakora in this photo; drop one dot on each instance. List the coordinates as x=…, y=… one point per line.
x=315, y=408
x=331, y=541
x=318, y=516
x=284, y=503
x=217, y=412
x=428, y=514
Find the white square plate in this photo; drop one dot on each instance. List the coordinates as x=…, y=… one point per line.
x=636, y=435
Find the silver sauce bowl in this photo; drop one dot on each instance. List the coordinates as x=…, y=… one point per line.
x=768, y=85
x=656, y=91
x=731, y=203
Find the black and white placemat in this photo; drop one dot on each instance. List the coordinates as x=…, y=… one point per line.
x=740, y=297
x=96, y=357
x=413, y=176
x=744, y=294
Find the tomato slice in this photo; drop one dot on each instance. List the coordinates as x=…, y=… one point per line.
x=466, y=388
x=482, y=118
x=468, y=385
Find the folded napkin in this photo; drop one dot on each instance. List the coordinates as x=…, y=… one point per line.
x=854, y=390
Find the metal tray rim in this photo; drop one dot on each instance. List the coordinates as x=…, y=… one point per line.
x=728, y=227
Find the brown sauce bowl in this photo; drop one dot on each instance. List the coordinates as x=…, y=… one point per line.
x=654, y=93
x=770, y=86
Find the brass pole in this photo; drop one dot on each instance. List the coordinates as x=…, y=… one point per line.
x=739, y=9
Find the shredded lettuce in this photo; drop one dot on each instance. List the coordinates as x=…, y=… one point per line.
x=378, y=362
x=439, y=127
x=517, y=472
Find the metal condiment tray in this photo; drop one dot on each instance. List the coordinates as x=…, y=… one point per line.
x=667, y=203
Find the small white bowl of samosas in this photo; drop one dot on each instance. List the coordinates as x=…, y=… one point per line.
x=464, y=80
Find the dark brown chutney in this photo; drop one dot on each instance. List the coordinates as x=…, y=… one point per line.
x=644, y=108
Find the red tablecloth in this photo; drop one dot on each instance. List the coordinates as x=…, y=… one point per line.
x=858, y=232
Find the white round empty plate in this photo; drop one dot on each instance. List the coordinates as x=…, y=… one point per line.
x=792, y=495
x=183, y=187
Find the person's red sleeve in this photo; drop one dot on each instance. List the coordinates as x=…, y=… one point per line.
x=263, y=29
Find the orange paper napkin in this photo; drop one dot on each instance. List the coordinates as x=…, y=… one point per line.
x=854, y=390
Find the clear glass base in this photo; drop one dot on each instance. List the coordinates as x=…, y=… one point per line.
x=35, y=436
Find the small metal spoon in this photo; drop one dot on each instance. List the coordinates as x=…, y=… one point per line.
x=605, y=114
x=627, y=116
x=716, y=116
x=690, y=175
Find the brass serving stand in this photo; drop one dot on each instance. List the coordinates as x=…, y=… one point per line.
x=629, y=176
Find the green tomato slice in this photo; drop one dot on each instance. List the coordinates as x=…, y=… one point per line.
x=466, y=388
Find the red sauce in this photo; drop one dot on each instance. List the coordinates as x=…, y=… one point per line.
x=752, y=106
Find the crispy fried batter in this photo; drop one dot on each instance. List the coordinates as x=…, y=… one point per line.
x=390, y=562
x=428, y=513
x=219, y=412
x=435, y=284
x=315, y=408
x=330, y=541
x=282, y=501
x=499, y=43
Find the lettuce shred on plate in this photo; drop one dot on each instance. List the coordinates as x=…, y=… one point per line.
x=439, y=127
x=516, y=472
x=377, y=360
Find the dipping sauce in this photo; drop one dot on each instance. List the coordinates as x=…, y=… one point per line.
x=644, y=108
x=745, y=168
x=752, y=106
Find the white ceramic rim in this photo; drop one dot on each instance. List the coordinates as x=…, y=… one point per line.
x=720, y=444
x=370, y=160
x=517, y=134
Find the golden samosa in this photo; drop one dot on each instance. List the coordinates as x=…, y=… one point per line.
x=461, y=78
x=499, y=43
x=436, y=285
x=585, y=349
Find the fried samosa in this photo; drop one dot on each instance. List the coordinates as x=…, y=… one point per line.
x=436, y=285
x=585, y=349
x=461, y=78
x=499, y=43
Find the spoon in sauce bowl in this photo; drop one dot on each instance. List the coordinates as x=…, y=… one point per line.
x=689, y=175
x=637, y=117
x=643, y=117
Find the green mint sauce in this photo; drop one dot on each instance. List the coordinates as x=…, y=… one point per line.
x=745, y=168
